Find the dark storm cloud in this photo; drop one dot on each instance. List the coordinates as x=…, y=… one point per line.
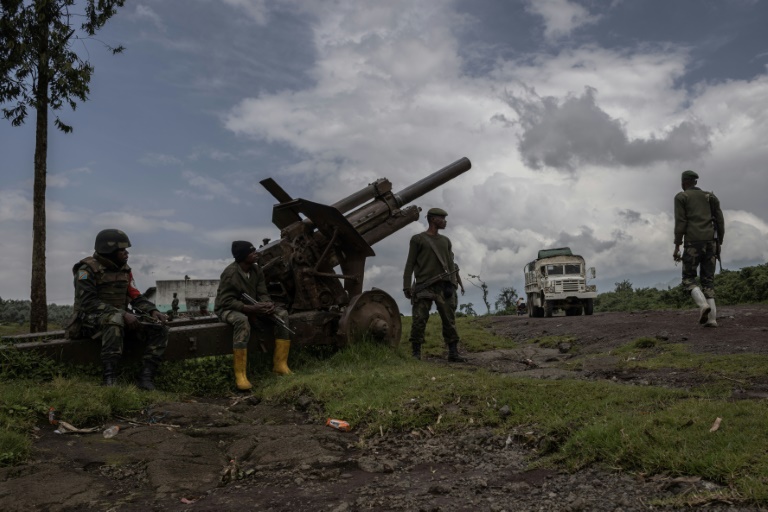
x=632, y=217
x=586, y=242
x=565, y=134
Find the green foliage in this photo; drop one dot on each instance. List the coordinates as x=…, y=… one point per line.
x=748, y=285
x=37, y=41
x=505, y=301
x=17, y=312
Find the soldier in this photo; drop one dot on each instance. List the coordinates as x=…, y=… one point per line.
x=244, y=275
x=175, y=305
x=699, y=226
x=104, y=288
x=430, y=261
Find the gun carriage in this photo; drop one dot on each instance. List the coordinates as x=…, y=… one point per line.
x=326, y=306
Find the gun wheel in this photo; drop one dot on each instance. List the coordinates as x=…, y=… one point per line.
x=373, y=314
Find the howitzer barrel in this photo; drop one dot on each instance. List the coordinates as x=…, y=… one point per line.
x=362, y=196
x=433, y=181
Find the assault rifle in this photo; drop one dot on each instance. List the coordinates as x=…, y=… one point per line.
x=714, y=225
x=432, y=280
x=279, y=321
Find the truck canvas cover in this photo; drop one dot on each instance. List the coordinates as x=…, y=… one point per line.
x=548, y=253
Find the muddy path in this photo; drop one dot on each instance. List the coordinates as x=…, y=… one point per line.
x=235, y=453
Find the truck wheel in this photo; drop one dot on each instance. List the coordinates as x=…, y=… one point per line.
x=548, y=309
x=538, y=312
x=589, y=306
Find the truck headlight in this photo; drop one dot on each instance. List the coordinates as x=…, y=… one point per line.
x=591, y=288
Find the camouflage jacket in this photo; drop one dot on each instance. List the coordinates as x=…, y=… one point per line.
x=694, y=209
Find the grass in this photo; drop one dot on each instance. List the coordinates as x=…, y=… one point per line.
x=572, y=424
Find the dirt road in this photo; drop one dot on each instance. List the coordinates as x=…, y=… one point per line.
x=232, y=453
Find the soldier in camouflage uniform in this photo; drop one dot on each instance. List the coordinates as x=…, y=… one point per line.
x=104, y=288
x=430, y=256
x=700, y=228
x=244, y=275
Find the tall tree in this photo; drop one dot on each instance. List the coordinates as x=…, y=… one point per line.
x=40, y=69
x=484, y=288
x=505, y=301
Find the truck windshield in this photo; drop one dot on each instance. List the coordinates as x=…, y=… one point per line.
x=564, y=269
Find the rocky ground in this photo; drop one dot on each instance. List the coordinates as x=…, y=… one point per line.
x=238, y=454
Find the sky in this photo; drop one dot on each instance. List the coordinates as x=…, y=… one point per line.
x=578, y=117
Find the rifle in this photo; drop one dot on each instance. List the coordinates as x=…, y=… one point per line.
x=276, y=319
x=432, y=280
x=714, y=225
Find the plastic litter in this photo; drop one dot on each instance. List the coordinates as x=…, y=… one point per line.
x=338, y=425
x=111, y=431
x=52, y=416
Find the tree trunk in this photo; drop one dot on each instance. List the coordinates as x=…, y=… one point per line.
x=38, y=318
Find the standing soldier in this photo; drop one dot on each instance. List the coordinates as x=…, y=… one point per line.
x=175, y=305
x=244, y=275
x=430, y=261
x=104, y=288
x=699, y=226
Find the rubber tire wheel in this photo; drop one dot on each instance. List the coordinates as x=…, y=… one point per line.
x=547, y=309
x=589, y=306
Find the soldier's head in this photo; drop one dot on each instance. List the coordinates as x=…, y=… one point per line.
x=113, y=244
x=243, y=252
x=688, y=179
x=436, y=217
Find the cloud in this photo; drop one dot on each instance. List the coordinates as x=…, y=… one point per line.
x=255, y=9
x=144, y=12
x=565, y=134
x=206, y=188
x=14, y=206
x=159, y=159
x=561, y=17
x=66, y=178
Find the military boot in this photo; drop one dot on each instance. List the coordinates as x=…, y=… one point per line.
x=416, y=350
x=712, y=317
x=108, y=373
x=453, y=353
x=701, y=301
x=147, y=376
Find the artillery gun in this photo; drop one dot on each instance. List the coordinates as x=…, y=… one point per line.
x=325, y=307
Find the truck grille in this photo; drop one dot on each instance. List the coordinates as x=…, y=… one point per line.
x=570, y=285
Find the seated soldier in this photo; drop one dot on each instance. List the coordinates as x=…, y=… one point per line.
x=104, y=288
x=244, y=275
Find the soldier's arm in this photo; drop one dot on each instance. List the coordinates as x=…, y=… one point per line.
x=228, y=295
x=409, y=264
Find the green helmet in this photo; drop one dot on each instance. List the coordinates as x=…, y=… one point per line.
x=110, y=240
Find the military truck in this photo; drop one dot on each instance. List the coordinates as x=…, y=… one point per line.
x=557, y=280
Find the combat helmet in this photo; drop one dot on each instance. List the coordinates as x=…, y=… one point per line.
x=110, y=240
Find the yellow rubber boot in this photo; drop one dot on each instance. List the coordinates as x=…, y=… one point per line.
x=280, y=359
x=241, y=363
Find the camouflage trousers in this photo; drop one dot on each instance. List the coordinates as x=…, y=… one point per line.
x=444, y=297
x=700, y=259
x=111, y=328
x=242, y=325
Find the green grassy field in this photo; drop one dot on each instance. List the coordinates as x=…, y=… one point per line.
x=571, y=424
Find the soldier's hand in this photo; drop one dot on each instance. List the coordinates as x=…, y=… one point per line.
x=160, y=317
x=407, y=292
x=462, y=290
x=131, y=321
x=717, y=249
x=676, y=256
x=262, y=308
